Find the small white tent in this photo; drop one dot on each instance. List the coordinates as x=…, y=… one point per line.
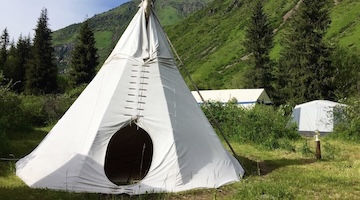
x=315, y=116
x=244, y=97
x=136, y=128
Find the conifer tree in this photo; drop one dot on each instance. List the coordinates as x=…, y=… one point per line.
x=23, y=47
x=305, y=72
x=259, y=41
x=16, y=62
x=10, y=63
x=41, y=74
x=4, y=43
x=84, y=57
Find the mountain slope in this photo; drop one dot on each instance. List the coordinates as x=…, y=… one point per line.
x=212, y=50
x=345, y=26
x=109, y=25
x=209, y=42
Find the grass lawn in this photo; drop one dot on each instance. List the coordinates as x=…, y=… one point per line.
x=279, y=174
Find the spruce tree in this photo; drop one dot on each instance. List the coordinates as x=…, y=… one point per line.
x=10, y=63
x=23, y=47
x=4, y=43
x=41, y=74
x=84, y=57
x=258, y=42
x=16, y=62
x=305, y=72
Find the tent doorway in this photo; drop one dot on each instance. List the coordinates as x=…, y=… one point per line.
x=128, y=156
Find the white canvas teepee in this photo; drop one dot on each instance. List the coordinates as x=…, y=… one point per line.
x=136, y=128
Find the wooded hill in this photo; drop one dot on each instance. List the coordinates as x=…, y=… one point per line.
x=109, y=26
x=210, y=41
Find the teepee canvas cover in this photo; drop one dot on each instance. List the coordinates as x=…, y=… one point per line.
x=136, y=128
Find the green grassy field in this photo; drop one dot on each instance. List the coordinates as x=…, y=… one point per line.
x=278, y=174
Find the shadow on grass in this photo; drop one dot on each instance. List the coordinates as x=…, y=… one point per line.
x=155, y=196
x=24, y=192
x=250, y=166
x=22, y=143
x=267, y=166
x=261, y=168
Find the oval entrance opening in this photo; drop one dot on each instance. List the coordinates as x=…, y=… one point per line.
x=128, y=156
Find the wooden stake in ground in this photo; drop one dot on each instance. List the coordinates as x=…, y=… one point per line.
x=317, y=147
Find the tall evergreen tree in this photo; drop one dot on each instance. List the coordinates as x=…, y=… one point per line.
x=23, y=47
x=4, y=43
x=305, y=72
x=84, y=56
x=10, y=63
x=258, y=42
x=41, y=74
x=16, y=62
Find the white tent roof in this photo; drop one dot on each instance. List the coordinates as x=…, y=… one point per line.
x=243, y=96
x=137, y=111
x=315, y=116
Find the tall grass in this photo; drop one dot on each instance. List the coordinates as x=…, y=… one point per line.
x=19, y=113
x=262, y=125
x=275, y=174
x=11, y=115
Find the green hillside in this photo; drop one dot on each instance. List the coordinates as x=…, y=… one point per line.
x=210, y=43
x=345, y=26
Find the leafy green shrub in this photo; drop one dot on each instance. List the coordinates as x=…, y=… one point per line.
x=347, y=120
x=75, y=92
x=3, y=143
x=305, y=149
x=11, y=115
x=33, y=108
x=225, y=115
x=262, y=125
x=46, y=109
